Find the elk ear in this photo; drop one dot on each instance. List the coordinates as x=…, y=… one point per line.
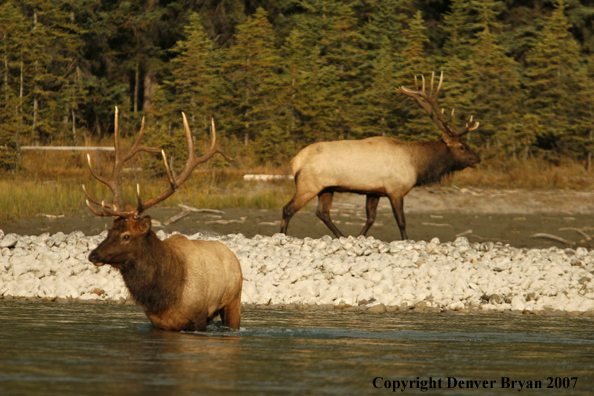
x=447, y=139
x=145, y=224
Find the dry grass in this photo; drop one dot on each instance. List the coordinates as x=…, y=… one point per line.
x=50, y=183
x=533, y=174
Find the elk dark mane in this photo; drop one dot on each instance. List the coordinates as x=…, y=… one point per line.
x=157, y=284
x=432, y=163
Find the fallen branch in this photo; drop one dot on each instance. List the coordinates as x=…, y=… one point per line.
x=464, y=233
x=49, y=216
x=193, y=209
x=552, y=237
x=175, y=218
x=242, y=220
x=270, y=223
x=436, y=224
x=582, y=233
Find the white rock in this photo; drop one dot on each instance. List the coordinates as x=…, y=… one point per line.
x=518, y=303
x=282, y=269
x=89, y=296
x=456, y=306
x=586, y=305
x=8, y=241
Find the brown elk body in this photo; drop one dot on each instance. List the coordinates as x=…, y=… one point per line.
x=181, y=284
x=378, y=167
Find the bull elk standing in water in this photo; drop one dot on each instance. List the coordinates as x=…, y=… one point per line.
x=181, y=284
x=379, y=166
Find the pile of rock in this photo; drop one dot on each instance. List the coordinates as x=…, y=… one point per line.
x=330, y=272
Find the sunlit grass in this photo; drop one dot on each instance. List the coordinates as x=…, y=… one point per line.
x=50, y=183
x=24, y=198
x=532, y=174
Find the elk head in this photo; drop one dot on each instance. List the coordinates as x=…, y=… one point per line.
x=125, y=241
x=462, y=154
x=129, y=234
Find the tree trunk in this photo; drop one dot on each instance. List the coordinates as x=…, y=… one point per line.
x=22, y=80
x=5, y=67
x=98, y=125
x=136, y=87
x=35, y=88
x=150, y=85
x=591, y=137
x=74, y=106
x=73, y=126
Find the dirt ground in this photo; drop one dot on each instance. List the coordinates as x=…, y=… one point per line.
x=507, y=216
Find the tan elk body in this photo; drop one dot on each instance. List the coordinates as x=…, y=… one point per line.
x=377, y=167
x=181, y=284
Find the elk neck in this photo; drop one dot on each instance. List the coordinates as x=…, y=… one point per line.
x=157, y=279
x=432, y=161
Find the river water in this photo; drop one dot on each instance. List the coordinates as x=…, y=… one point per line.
x=84, y=349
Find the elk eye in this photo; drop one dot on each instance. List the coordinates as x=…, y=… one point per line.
x=461, y=147
x=126, y=237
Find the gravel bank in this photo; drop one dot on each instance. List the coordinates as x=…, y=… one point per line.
x=363, y=273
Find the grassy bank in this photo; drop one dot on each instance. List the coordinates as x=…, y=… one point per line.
x=50, y=183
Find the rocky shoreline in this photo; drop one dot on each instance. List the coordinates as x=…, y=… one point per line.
x=346, y=273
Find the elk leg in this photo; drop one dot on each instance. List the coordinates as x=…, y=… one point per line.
x=199, y=324
x=231, y=314
x=323, y=212
x=371, y=209
x=296, y=203
x=397, y=202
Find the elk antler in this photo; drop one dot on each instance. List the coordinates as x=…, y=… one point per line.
x=191, y=163
x=114, y=208
x=431, y=106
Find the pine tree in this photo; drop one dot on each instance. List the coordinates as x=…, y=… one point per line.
x=14, y=34
x=385, y=23
x=553, y=79
x=494, y=79
x=379, y=117
x=384, y=44
x=331, y=26
x=457, y=61
x=252, y=73
x=296, y=91
x=48, y=52
x=415, y=125
x=194, y=73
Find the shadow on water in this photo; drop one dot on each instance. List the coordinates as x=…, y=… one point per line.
x=74, y=349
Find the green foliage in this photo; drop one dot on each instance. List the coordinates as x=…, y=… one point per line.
x=495, y=80
x=415, y=125
x=251, y=71
x=278, y=76
x=555, y=87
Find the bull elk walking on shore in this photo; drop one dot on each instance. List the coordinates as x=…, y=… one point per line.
x=379, y=166
x=181, y=284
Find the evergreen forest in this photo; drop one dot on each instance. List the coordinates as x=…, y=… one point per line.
x=277, y=76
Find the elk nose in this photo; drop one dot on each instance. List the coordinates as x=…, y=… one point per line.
x=94, y=257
